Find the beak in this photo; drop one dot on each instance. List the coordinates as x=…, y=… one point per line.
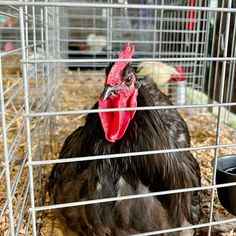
x=108, y=90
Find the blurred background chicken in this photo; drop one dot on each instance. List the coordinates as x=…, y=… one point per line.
x=160, y=72
x=96, y=43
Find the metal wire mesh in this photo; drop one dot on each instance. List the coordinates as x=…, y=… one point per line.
x=41, y=40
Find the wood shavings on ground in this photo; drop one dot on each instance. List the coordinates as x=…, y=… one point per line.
x=80, y=90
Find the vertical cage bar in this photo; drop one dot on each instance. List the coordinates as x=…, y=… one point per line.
x=48, y=44
x=57, y=54
x=230, y=84
x=155, y=33
x=160, y=33
x=221, y=98
x=195, y=73
x=109, y=32
x=6, y=156
x=218, y=52
x=47, y=20
x=43, y=50
x=211, y=62
x=27, y=120
x=204, y=50
x=234, y=68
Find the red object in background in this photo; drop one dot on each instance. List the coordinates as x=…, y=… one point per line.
x=191, y=15
x=9, y=46
x=179, y=77
x=9, y=22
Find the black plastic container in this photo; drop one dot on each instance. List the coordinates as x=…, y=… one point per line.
x=226, y=173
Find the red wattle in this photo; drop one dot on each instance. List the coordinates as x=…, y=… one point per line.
x=115, y=123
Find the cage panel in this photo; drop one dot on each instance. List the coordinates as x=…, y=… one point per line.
x=54, y=56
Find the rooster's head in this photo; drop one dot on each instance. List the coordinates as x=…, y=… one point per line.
x=120, y=91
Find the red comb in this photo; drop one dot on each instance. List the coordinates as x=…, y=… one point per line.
x=179, y=77
x=118, y=67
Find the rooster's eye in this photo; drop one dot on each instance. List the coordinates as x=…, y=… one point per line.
x=128, y=80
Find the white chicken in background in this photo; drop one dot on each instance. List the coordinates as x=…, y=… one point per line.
x=162, y=73
x=96, y=43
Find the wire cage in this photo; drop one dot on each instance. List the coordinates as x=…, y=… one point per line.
x=52, y=70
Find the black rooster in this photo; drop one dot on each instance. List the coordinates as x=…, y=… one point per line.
x=125, y=132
